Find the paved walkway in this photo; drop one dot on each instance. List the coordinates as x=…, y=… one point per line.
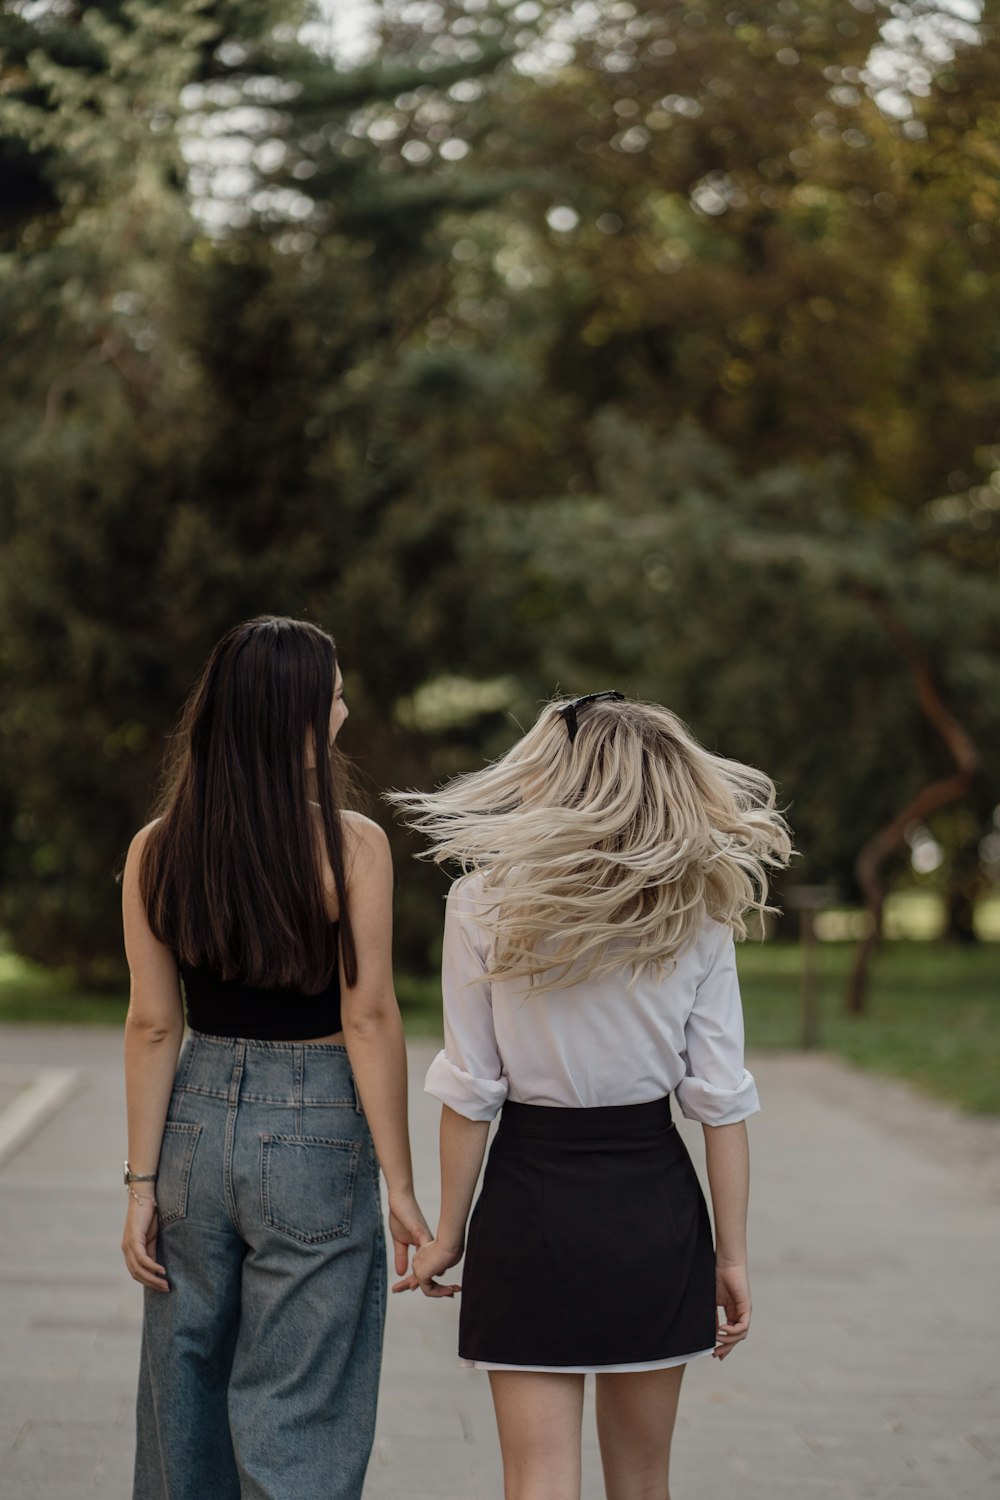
x=872, y=1372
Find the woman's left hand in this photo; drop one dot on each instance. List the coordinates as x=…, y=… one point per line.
x=139, y=1245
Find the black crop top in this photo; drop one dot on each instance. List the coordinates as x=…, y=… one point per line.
x=227, y=1007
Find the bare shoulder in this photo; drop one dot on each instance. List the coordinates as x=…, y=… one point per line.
x=138, y=844
x=140, y=941
x=366, y=844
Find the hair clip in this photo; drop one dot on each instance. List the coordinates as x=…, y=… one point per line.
x=568, y=711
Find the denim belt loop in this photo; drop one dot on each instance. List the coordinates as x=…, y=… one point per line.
x=186, y=1059
x=298, y=1070
x=236, y=1077
x=357, y=1097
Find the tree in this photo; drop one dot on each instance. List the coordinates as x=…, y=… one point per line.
x=727, y=224
x=425, y=349
x=199, y=423
x=848, y=656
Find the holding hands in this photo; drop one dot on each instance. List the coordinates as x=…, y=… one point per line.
x=463, y=1145
x=431, y=1259
x=407, y=1226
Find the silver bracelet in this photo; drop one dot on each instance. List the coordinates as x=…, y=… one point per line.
x=133, y=1194
x=130, y=1176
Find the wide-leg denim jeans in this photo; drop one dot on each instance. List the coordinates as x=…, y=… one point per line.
x=260, y=1367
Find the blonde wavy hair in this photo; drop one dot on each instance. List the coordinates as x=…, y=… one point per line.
x=631, y=831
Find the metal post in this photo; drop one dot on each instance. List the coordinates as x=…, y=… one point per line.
x=807, y=900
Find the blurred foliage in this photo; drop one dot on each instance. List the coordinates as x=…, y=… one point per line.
x=756, y=605
x=552, y=345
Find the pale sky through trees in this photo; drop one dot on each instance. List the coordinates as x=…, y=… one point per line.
x=347, y=30
x=915, y=38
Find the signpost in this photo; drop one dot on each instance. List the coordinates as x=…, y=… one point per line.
x=807, y=900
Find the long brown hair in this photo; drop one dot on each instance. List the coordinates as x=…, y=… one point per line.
x=231, y=874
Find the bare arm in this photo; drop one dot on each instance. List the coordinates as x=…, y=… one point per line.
x=463, y=1145
x=727, y=1155
x=373, y=1031
x=154, y=1028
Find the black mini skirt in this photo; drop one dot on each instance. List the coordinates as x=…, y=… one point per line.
x=590, y=1246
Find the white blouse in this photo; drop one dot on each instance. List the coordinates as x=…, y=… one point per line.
x=594, y=1042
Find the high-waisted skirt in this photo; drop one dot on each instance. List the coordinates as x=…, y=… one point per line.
x=590, y=1246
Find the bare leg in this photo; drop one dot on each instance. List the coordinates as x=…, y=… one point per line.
x=539, y=1418
x=635, y=1423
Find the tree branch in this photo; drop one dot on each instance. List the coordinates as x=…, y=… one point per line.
x=871, y=859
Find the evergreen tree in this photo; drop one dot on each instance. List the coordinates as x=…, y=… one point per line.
x=199, y=425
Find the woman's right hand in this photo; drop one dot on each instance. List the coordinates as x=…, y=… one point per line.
x=139, y=1245
x=407, y=1226
x=732, y=1294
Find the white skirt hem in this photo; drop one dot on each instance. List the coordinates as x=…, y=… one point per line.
x=649, y=1364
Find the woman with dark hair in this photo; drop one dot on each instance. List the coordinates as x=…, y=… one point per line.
x=254, y=1220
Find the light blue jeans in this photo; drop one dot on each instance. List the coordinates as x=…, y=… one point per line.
x=259, y=1369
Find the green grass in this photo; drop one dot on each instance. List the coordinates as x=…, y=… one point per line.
x=934, y=1013
x=420, y=1003
x=39, y=996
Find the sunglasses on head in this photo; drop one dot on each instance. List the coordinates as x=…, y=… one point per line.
x=568, y=711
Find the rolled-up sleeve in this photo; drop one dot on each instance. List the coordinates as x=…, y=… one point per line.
x=468, y=1074
x=717, y=1089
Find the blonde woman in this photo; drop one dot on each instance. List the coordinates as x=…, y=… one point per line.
x=588, y=974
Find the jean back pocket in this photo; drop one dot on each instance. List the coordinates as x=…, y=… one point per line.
x=174, y=1170
x=307, y=1186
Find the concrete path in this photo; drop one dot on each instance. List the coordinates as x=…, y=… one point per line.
x=872, y=1371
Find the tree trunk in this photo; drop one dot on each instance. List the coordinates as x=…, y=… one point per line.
x=961, y=909
x=870, y=864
